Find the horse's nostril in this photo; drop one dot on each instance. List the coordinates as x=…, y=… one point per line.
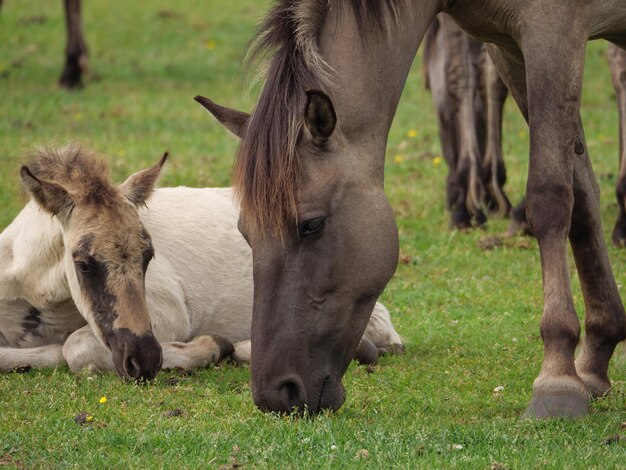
x=291, y=394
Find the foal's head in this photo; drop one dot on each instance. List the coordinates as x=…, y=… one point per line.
x=107, y=249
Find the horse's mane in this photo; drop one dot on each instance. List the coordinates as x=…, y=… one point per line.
x=267, y=172
x=77, y=169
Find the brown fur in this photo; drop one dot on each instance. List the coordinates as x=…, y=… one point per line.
x=267, y=172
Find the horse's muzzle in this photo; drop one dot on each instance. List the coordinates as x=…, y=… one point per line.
x=135, y=356
x=290, y=394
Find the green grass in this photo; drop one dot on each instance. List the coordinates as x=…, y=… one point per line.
x=470, y=318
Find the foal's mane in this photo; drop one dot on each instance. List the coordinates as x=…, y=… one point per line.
x=78, y=170
x=267, y=171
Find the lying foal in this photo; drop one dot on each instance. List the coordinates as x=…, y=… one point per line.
x=122, y=278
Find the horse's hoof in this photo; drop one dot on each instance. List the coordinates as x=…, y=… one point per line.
x=568, y=404
x=596, y=386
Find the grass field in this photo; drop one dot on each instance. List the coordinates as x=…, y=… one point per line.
x=470, y=318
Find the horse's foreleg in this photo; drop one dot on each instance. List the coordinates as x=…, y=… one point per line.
x=50, y=355
x=76, y=48
x=617, y=63
x=605, y=323
x=494, y=93
x=546, y=83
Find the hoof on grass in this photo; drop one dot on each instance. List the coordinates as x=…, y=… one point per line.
x=568, y=404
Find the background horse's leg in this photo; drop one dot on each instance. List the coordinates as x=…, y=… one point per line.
x=494, y=93
x=617, y=63
x=50, y=355
x=461, y=76
x=76, y=49
x=452, y=80
x=436, y=82
x=546, y=83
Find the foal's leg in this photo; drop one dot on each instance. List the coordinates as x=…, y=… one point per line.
x=76, y=49
x=552, y=70
x=617, y=63
x=50, y=355
x=83, y=350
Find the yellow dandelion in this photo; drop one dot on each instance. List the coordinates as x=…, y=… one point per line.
x=78, y=116
x=412, y=133
x=603, y=139
x=121, y=152
x=437, y=160
x=398, y=159
x=522, y=133
x=88, y=418
x=210, y=44
x=103, y=400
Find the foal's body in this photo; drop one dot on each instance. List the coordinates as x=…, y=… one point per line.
x=200, y=283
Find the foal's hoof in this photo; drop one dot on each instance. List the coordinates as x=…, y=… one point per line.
x=366, y=353
x=226, y=348
x=567, y=404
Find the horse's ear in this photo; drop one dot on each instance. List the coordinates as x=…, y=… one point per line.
x=319, y=115
x=51, y=196
x=139, y=186
x=233, y=120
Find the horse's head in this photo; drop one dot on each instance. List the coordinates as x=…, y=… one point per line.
x=320, y=265
x=107, y=249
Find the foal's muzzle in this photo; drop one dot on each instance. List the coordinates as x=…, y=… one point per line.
x=134, y=356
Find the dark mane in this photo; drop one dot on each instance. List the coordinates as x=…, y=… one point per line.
x=267, y=171
x=77, y=169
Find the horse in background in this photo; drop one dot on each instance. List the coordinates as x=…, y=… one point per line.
x=128, y=278
x=469, y=98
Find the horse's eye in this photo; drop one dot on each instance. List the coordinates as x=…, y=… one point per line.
x=310, y=227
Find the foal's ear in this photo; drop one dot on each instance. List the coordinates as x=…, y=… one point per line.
x=51, y=196
x=233, y=120
x=139, y=186
x=319, y=116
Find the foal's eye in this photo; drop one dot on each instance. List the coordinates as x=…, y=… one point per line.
x=84, y=267
x=310, y=227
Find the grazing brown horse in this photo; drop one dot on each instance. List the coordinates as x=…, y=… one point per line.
x=469, y=97
x=310, y=174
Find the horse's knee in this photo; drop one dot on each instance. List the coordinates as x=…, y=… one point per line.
x=549, y=209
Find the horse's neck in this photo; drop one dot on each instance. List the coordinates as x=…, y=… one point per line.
x=31, y=259
x=370, y=69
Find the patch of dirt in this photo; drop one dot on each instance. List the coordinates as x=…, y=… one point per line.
x=173, y=413
x=612, y=439
x=83, y=418
x=490, y=242
x=35, y=19
x=7, y=460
